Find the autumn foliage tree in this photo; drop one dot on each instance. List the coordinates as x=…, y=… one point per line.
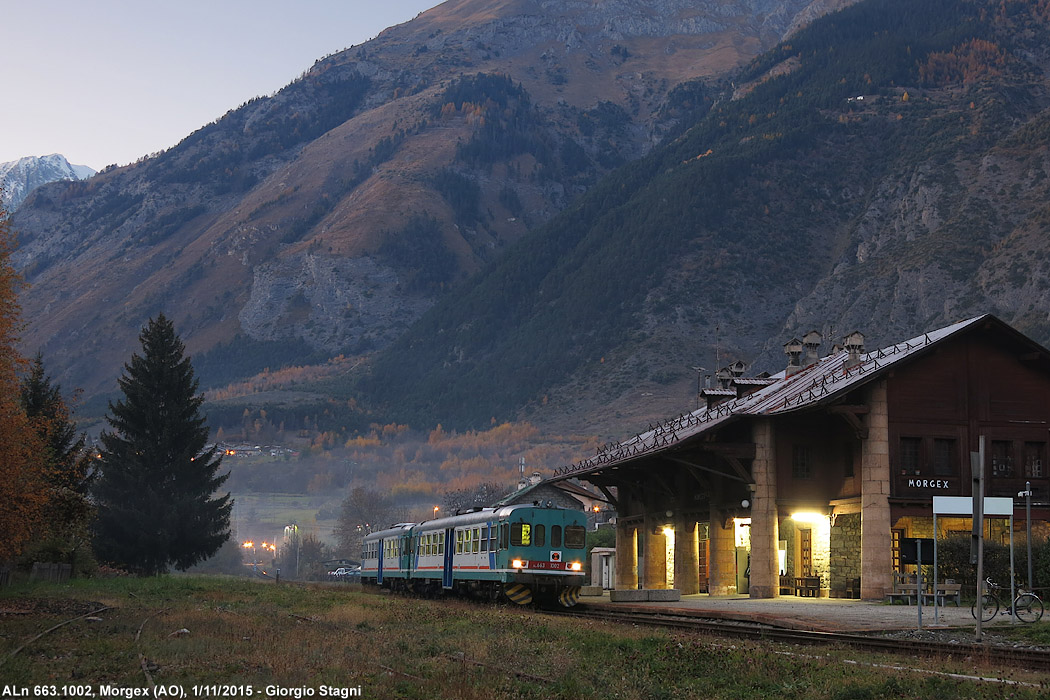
x=23, y=489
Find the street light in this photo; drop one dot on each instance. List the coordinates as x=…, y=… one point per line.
x=1027, y=495
x=251, y=545
x=436, y=508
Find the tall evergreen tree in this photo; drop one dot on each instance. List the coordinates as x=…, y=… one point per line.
x=67, y=468
x=157, y=502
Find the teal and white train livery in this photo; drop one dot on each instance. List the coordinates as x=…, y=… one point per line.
x=521, y=553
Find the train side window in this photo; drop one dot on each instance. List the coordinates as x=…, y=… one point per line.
x=555, y=535
x=575, y=536
x=476, y=534
x=493, y=529
x=459, y=541
x=485, y=538
x=504, y=536
x=521, y=534
x=540, y=538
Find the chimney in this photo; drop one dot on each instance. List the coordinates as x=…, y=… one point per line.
x=724, y=377
x=854, y=343
x=737, y=369
x=811, y=342
x=535, y=478
x=793, y=349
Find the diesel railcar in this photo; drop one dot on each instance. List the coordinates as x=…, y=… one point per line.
x=521, y=553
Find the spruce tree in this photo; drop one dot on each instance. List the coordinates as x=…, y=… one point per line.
x=68, y=467
x=157, y=502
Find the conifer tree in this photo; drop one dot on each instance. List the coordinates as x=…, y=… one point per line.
x=67, y=468
x=157, y=502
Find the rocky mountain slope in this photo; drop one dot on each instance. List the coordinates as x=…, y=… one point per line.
x=20, y=177
x=328, y=217
x=885, y=170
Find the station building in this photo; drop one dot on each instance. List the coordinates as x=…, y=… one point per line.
x=812, y=477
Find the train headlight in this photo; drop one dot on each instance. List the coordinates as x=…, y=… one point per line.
x=518, y=564
x=576, y=566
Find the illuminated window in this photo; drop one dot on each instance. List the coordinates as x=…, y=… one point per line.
x=521, y=534
x=474, y=544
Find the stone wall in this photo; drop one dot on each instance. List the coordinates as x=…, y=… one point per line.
x=845, y=550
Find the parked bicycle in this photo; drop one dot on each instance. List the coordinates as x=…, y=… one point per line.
x=1026, y=605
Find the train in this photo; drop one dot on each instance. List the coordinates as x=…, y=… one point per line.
x=524, y=554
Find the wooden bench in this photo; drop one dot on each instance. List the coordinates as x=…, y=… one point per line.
x=905, y=589
x=807, y=586
x=947, y=591
x=786, y=585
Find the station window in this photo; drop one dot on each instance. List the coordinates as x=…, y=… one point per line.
x=1002, y=458
x=521, y=535
x=1034, y=454
x=575, y=536
x=555, y=535
x=911, y=454
x=944, y=459
x=800, y=462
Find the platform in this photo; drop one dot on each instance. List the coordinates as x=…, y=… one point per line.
x=819, y=614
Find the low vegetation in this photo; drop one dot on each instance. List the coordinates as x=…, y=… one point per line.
x=195, y=630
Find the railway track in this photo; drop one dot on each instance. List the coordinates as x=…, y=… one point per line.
x=1025, y=658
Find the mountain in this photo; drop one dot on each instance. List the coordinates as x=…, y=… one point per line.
x=886, y=169
x=20, y=177
x=327, y=218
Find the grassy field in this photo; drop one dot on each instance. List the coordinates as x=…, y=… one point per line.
x=192, y=634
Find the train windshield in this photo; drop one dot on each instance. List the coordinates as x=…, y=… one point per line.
x=521, y=534
x=575, y=536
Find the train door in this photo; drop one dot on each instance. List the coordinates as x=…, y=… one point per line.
x=450, y=549
x=406, y=555
x=379, y=568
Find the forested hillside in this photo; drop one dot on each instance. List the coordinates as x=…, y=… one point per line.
x=884, y=169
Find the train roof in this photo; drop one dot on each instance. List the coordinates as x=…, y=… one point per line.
x=483, y=515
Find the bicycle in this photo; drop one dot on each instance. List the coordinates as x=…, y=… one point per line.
x=1026, y=605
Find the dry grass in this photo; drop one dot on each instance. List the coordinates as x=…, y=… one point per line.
x=245, y=632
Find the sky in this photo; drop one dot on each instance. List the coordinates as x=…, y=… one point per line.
x=109, y=81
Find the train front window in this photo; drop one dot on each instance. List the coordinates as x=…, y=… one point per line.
x=540, y=536
x=575, y=537
x=555, y=535
x=521, y=535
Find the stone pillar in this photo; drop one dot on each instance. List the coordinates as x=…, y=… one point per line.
x=686, y=555
x=765, y=532
x=626, y=557
x=654, y=549
x=876, y=559
x=722, y=555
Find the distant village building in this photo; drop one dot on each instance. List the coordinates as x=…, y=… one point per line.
x=807, y=481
